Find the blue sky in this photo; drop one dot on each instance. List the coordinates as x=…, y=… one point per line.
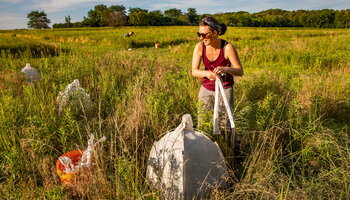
x=13, y=12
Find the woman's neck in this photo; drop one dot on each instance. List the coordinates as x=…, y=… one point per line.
x=215, y=44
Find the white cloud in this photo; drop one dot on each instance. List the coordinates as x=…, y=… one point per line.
x=184, y=5
x=62, y=5
x=11, y=1
x=12, y=21
x=56, y=6
x=322, y=4
x=202, y=6
x=259, y=5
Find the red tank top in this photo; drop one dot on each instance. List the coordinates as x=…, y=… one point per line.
x=227, y=79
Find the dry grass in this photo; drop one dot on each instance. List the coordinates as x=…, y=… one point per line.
x=291, y=110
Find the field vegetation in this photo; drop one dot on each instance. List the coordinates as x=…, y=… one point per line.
x=292, y=109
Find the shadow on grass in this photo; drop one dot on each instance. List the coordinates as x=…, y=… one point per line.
x=34, y=50
x=136, y=44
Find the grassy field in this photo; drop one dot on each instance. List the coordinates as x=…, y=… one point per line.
x=292, y=109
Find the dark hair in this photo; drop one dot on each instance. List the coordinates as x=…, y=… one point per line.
x=214, y=24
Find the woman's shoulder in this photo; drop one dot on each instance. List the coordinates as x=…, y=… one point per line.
x=229, y=50
x=228, y=45
x=199, y=46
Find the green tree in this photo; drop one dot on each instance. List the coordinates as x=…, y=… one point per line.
x=98, y=16
x=192, y=16
x=342, y=19
x=67, y=19
x=241, y=18
x=68, y=23
x=157, y=18
x=139, y=17
x=117, y=16
x=326, y=18
x=182, y=20
x=131, y=10
x=224, y=18
x=174, y=14
x=272, y=17
x=118, y=8
x=38, y=20
x=294, y=18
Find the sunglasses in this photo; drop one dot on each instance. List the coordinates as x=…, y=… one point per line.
x=203, y=35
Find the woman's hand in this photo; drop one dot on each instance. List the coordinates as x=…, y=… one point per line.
x=221, y=70
x=211, y=75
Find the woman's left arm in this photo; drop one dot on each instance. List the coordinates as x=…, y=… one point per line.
x=236, y=68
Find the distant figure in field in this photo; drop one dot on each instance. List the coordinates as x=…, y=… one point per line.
x=129, y=34
x=221, y=60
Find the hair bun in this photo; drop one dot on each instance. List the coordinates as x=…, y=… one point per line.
x=223, y=29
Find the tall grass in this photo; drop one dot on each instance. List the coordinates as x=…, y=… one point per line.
x=291, y=109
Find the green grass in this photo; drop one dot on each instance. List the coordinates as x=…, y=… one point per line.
x=291, y=109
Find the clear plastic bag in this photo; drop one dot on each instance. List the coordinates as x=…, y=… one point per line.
x=71, y=163
x=75, y=97
x=32, y=74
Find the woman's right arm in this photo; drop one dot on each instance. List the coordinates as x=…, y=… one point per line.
x=196, y=62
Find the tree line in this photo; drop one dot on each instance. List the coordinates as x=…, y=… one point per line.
x=116, y=15
x=326, y=18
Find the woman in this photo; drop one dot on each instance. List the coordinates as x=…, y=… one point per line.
x=221, y=60
x=129, y=34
